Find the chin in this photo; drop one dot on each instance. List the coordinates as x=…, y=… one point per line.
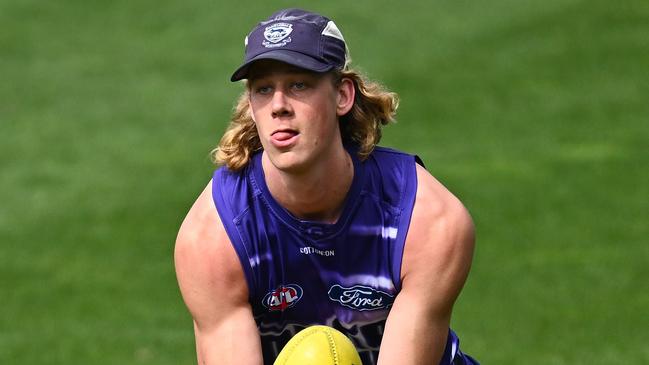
x=289, y=162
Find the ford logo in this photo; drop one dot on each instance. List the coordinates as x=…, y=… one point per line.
x=360, y=297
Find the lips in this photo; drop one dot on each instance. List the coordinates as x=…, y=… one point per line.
x=284, y=137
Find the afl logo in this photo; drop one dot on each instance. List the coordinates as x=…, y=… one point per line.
x=276, y=35
x=282, y=298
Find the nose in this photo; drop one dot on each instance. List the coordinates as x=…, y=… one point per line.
x=281, y=106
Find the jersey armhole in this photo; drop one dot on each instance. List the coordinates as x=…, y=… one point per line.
x=419, y=161
x=406, y=207
x=228, y=219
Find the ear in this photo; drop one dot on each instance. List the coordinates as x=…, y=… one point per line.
x=345, y=97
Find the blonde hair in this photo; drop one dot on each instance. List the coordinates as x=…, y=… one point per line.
x=374, y=106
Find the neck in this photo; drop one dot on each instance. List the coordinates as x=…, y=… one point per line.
x=317, y=194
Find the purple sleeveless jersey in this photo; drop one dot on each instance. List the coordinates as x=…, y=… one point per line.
x=344, y=275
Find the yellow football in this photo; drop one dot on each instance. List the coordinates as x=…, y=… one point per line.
x=319, y=345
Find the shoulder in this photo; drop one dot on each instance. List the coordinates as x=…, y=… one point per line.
x=201, y=229
x=392, y=161
x=395, y=170
x=440, y=240
x=386, y=152
x=435, y=203
x=234, y=190
x=205, y=260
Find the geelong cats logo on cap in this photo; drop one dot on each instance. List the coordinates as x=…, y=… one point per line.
x=277, y=35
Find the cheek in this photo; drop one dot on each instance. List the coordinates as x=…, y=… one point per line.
x=257, y=117
x=325, y=126
x=324, y=109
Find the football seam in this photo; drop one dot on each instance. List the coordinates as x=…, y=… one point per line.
x=332, y=346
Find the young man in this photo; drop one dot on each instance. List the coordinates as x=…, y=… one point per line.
x=309, y=222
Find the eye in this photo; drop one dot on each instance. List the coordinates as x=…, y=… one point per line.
x=263, y=90
x=299, y=86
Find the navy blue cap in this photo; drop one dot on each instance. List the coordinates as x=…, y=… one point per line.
x=297, y=37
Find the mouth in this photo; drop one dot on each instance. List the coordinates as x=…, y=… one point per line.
x=283, y=138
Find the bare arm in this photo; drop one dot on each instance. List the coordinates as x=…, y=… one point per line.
x=436, y=262
x=214, y=289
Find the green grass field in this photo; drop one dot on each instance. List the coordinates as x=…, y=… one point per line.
x=536, y=114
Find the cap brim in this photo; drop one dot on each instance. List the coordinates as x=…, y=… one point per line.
x=293, y=58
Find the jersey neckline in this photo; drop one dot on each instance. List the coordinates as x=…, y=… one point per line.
x=313, y=230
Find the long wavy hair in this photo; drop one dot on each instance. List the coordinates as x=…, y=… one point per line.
x=374, y=106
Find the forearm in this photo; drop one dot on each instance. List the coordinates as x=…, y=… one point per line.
x=413, y=336
x=232, y=342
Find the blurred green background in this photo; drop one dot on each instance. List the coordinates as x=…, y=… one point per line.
x=536, y=114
